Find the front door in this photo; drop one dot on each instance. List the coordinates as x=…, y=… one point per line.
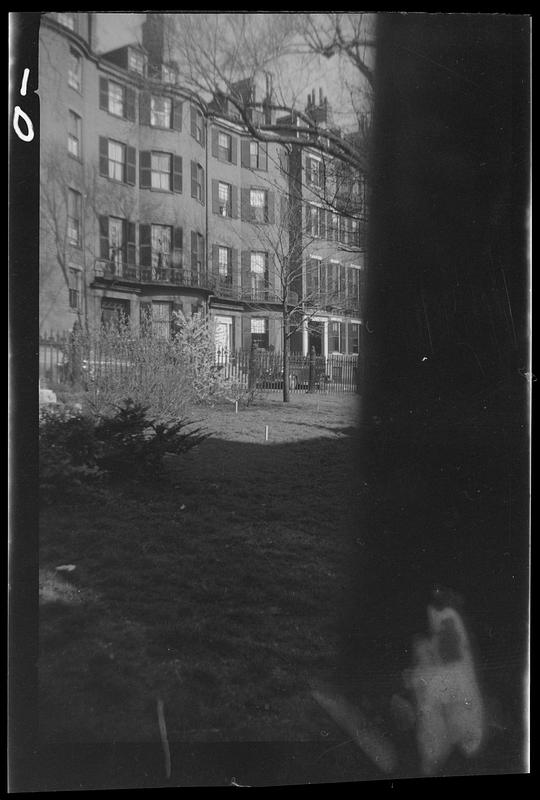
x=315, y=336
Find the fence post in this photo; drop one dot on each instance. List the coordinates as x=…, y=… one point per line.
x=252, y=372
x=311, y=379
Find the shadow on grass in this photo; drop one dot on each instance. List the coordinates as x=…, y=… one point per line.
x=251, y=568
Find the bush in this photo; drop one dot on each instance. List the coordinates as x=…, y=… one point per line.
x=76, y=450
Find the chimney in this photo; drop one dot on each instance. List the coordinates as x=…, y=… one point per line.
x=153, y=37
x=320, y=96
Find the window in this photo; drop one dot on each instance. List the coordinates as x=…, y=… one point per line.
x=257, y=156
x=74, y=70
x=168, y=74
x=74, y=135
x=116, y=241
x=224, y=265
x=116, y=99
x=259, y=277
x=160, y=112
x=224, y=147
x=225, y=199
x=314, y=172
x=117, y=160
x=74, y=218
x=259, y=332
x=334, y=337
x=197, y=125
x=66, y=19
x=136, y=61
x=197, y=181
x=314, y=220
x=333, y=280
x=354, y=343
x=161, y=174
x=114, y=313
x=258, y=200
x=313, y=266
x=161, y=246
x=197, y=253
x=74, y=289
x=335, y=227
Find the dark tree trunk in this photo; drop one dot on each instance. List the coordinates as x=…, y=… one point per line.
x=286, y=352
x=445, y=447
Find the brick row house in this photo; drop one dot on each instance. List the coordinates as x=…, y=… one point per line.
x=155, y=202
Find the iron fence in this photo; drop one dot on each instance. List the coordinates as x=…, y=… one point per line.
x=66, y=359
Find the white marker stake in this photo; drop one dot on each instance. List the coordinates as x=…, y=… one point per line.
x=266, y=433
x=236, y=407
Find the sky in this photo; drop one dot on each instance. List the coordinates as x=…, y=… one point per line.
x=334, y=75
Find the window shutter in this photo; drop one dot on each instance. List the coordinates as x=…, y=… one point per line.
x=244, y=152
x=323, y=283
x=130, y=165
x=203, y=188
x=193, y=251
x=103, y=156
x=263, y=155
x=104, y=94
x=204, y=133
x=215, y=260
x=234, y=202
x=268, y=270
x=104, y=237
x=322, y=226
x=245, y=205
x=145, y=169
x=130, y=243
x=177, y=115
x=234, y=144
x=308, y=226
x=177, y=173
x=214, y=134
x=129, y=108
x=193, y=177
x=274, y=333
x=246, y=271
x=145, y=245
x=246, y=333
x=144, y=108
x=215, y=197
x=270, y=207
x=178, y=246
x=193, y=113
x=234, y=266
x=308, y=170
x=342, y=347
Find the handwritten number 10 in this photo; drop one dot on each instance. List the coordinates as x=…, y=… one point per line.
x=19, y=115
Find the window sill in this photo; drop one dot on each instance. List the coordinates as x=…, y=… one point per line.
x=161, y=127
x=75, y=158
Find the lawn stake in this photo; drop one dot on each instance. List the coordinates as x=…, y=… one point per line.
x=163, y=736
x=236, y=407
x=266, y=433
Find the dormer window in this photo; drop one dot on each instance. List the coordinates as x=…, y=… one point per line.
x=136, y=61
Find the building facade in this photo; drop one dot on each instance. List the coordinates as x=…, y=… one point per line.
x=156, y=204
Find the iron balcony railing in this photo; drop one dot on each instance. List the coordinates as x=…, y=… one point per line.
x=175, y=276
x=226, y=289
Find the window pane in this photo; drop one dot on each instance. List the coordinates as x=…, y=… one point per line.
x=161, y=171
x=136, y=61
x=74, y=70
x=258, y=326
x=160, y=111
x=257, y=263
x=116, y=99
x=257, y=198
x=161, y=245
x=116, y=160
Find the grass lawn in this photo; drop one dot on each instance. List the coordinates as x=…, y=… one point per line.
x=218, y=590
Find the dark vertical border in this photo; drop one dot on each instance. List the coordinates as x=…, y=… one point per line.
x=23, y=401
